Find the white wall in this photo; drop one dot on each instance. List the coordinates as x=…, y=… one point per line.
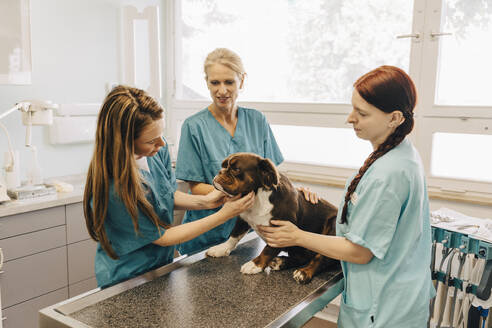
x=75, y=52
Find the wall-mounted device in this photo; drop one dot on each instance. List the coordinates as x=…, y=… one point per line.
x=34, y=112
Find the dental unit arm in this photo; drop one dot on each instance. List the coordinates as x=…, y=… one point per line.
x=34, y=112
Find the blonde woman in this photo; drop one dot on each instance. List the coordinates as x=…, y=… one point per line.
x=214, y=133
x=130, y=193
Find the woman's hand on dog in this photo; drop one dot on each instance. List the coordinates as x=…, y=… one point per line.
x=310, y=196
x=281, y=234
x=214, y=199
x=236, y=205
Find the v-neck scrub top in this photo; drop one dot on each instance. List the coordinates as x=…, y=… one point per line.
x=136, y=252
x=389, y=214
x=203, y=145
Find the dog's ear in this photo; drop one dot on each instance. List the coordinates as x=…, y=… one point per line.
x=225, y=162
x=270, y=177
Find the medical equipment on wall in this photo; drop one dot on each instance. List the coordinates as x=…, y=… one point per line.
x=461, y=270
x=34, y=112
x=74, y=124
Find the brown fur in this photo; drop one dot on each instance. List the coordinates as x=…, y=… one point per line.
x=242, y=173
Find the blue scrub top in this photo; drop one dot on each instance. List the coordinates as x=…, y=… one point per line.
x=136, y=252
x=203, y=145
x=389, y=214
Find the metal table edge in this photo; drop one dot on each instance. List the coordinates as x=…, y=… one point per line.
x=58, y=315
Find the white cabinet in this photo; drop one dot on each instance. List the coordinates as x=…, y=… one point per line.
x=1, y=265
x=48, y=257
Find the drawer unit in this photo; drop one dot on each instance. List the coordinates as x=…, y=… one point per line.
x=81, y=260
x=76, y=228
x=32, y=276
x=31, y=221
x=25, y=314
x=32, y=243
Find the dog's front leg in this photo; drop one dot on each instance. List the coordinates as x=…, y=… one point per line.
x=259, y=263
x=224, y=249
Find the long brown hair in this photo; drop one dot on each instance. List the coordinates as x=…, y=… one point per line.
x=124, y=114
x=388, y=88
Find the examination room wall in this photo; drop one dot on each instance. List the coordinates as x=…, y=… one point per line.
x=75, y=53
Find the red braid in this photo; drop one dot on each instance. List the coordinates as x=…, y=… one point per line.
x=388, y=88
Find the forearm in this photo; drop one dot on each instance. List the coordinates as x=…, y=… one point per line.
x=334, y=247
x=183, y=201
x=200, y=188
x=190, y=230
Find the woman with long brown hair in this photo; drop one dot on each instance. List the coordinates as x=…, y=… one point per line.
x=383, y=229
x=130, y=192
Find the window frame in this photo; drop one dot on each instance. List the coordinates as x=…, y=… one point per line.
x=460, y=119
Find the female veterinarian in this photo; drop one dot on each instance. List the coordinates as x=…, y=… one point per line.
x=130, y=191
x=383, y=231
x=214, y=133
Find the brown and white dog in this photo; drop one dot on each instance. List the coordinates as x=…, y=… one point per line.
x=275, y=198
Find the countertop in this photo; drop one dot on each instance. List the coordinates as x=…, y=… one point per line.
x=61, y=198
x=199, y=291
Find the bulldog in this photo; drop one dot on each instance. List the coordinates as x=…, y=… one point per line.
x=275, y=198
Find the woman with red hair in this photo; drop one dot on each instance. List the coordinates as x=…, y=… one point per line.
x=383, y=229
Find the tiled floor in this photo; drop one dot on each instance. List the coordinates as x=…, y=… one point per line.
x=319, y=323
x=327, y=317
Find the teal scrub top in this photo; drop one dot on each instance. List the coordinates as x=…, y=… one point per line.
x=203, y=145
x=389, y=215
x=136, y=252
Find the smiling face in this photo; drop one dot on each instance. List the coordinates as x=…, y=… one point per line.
x=150, y=140
x=371, y=123
x=242, y=173
x=224, y=85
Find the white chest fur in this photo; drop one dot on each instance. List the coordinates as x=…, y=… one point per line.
x=261, y=211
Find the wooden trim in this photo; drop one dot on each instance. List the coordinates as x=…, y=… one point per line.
x=319, y=180
x=329, y=181
x=470, y=199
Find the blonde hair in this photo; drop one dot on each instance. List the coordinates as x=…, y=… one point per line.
x=227, y=58
x=124, y=114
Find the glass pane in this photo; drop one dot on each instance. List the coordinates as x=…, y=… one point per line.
x=293, y=50
x=466, y=54
x=321, y=146
x=462, y=156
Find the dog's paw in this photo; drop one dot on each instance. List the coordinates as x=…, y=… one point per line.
x=250, y=268
x=276, y=264
x=219, y=250
x=302, y=276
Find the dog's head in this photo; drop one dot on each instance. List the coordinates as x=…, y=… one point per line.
x=242, y=173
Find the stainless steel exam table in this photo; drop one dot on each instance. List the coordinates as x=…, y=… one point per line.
x=198, y=291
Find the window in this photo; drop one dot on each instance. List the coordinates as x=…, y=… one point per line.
x=465, y=54
x=293, y=51
x=302, y=58
x=321, y=146
x=459, y=155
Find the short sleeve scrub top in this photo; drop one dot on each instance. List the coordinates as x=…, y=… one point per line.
x=136, y=252
x=203, y=145
x=389, y=214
